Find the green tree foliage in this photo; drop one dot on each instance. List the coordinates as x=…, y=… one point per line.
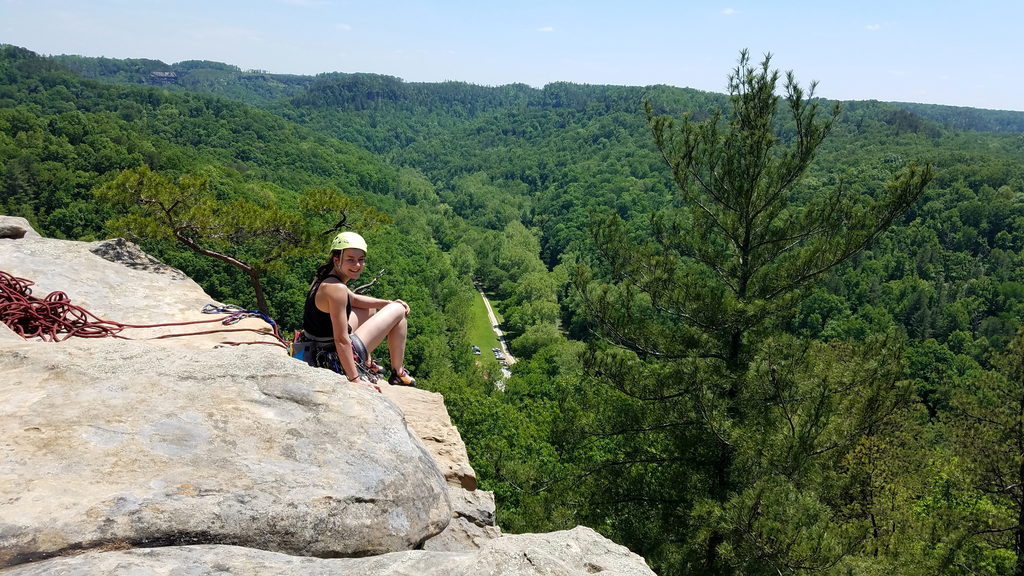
x=987, y=421
x=64, y=135
x=254, y=238
x=691, y=315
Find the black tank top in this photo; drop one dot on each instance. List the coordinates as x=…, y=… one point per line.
x=318, y=323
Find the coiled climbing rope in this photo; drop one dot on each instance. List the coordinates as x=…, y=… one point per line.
x=55, y=319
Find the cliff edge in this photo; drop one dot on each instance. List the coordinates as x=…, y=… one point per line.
x=189, y=455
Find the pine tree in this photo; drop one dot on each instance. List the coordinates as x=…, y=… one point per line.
x=722, y=423
x=252, y=237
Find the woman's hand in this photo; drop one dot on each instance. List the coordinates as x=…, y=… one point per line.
x=365, y=382
x=407, y=308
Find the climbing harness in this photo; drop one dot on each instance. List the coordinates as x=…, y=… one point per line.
x=55, y=319
x=321, y=352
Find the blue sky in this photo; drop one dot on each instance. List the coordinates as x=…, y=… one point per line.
x=937, y=52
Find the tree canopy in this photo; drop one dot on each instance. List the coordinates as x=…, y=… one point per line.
x=756, y=334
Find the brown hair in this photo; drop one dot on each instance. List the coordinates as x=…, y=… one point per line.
x=323, y=271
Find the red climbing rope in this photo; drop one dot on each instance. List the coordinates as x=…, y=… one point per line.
x=55, y=318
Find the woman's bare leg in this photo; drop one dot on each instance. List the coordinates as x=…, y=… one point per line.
x=359, y=316
x=389, y=322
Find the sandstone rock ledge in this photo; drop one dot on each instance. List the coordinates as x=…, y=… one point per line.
x=183, y=456
x=109, y=442
x=576, y=552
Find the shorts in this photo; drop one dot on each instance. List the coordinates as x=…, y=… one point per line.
x=359, y=348
x=321, y=352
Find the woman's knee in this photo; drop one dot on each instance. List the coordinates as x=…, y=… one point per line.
x=394, y=306
x=394, y=311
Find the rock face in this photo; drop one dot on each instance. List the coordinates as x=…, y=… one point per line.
x=183, y=455
x=473, y=512
x=116, y=281
x=14, y=227
x=576, y=552
x=123, y=442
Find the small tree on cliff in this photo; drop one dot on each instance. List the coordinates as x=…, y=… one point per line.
x=254, y=237
x=719, y=419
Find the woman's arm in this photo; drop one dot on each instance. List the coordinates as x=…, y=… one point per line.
x=362, y=301
x=337, y=295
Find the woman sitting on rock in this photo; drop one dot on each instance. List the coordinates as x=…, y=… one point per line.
x=347, y=326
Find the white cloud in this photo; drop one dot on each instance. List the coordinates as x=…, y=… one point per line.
x=546, y=29
x=873, y=27
x=344, y=27
x=729, y=11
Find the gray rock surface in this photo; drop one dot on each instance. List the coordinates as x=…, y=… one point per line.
x=15, y=228
x=116, y=281
x=121, y=251
x=577, y=552
x=107, y=441
x=462, y=535
x=429, y=417
x=473, y=511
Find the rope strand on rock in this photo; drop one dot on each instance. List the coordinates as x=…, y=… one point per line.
x=55, y=319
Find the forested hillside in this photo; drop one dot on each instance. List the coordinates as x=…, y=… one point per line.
x=961, y=118
x=212, y=78
x=846, y=403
